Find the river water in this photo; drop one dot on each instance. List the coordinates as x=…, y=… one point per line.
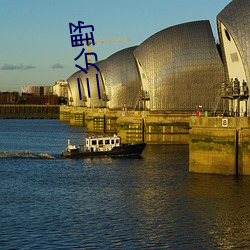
x=150, y=203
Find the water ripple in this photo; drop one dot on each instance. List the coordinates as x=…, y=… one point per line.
x=26, y=154
x=148, y=203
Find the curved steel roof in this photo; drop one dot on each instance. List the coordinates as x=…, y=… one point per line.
x=121, y=79
x=180, y=67
x=95, y=95
x=73, y=90
x=119, y=82
x=236, y=18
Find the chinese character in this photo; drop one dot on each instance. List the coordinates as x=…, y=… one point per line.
x=78, y=40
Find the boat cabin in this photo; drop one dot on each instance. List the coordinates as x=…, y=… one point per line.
x=105, y=143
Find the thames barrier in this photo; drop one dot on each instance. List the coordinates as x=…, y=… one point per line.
x=218, y=145
x=132, y=126
x=153, y=90
x=179, y=86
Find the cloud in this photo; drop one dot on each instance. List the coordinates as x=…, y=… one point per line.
x=57, y=66
x=7, y=66
x=29, y=67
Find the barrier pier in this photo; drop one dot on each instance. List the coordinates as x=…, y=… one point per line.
x=219, y=145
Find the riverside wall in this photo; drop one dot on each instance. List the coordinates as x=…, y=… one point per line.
x=132, y=126
x=26, y=111
x=219, y=145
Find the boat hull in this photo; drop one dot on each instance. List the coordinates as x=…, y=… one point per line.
x=126, y=150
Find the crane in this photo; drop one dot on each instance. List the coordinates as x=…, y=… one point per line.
x=104, y=41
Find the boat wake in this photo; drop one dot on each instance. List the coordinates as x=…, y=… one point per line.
x=26, y=154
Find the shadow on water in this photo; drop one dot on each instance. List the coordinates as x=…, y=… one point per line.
x=222, y=204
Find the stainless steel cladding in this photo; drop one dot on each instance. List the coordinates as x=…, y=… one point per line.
x=119, y=83
x=234, y=24
x=121, y=79
x=73, y=90
x=180, y=67
x=234, y=33
x=83, y=95
x=93, y=95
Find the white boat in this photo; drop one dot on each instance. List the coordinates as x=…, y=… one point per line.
x=103, y=146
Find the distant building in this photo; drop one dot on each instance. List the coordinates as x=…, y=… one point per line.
x=30, y=90
x=39, y=95
x=60, y=89
x=47, y=90
x=9, y=97
x=37, y=90
x=119, y=83
x=40, y=100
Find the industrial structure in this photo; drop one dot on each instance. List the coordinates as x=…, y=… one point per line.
x=38, y=95
x=9, y=97
x=164, y=80
x=178, y=69
x=36, y=90
x=234, y=34
x=60, y=89
x=120, y=79
x=221, y=145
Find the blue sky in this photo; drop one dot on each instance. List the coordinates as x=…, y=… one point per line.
x=35, y=46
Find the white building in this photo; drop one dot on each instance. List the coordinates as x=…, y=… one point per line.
x=37, y=90
x=60, y=88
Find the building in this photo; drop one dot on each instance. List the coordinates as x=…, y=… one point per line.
x=119, y=83
x=9, y=97
x=121, y=79
x=92, y=88
x=60, y=89
x=37, y=90
x=39, y=95
x=180, y=67
x=234, y=33
x=75, y=97
x=31, y=90
x=176, y=69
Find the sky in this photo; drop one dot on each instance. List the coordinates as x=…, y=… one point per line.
x=35, y=42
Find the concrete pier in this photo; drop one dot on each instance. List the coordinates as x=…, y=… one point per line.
x=219, y=145
x=64, y=114
x=132, y=126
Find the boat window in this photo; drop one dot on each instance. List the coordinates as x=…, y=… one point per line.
x=117, y=141
x=107, y=142
x=100, y=142
x=93, y=142
x=112, y=142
